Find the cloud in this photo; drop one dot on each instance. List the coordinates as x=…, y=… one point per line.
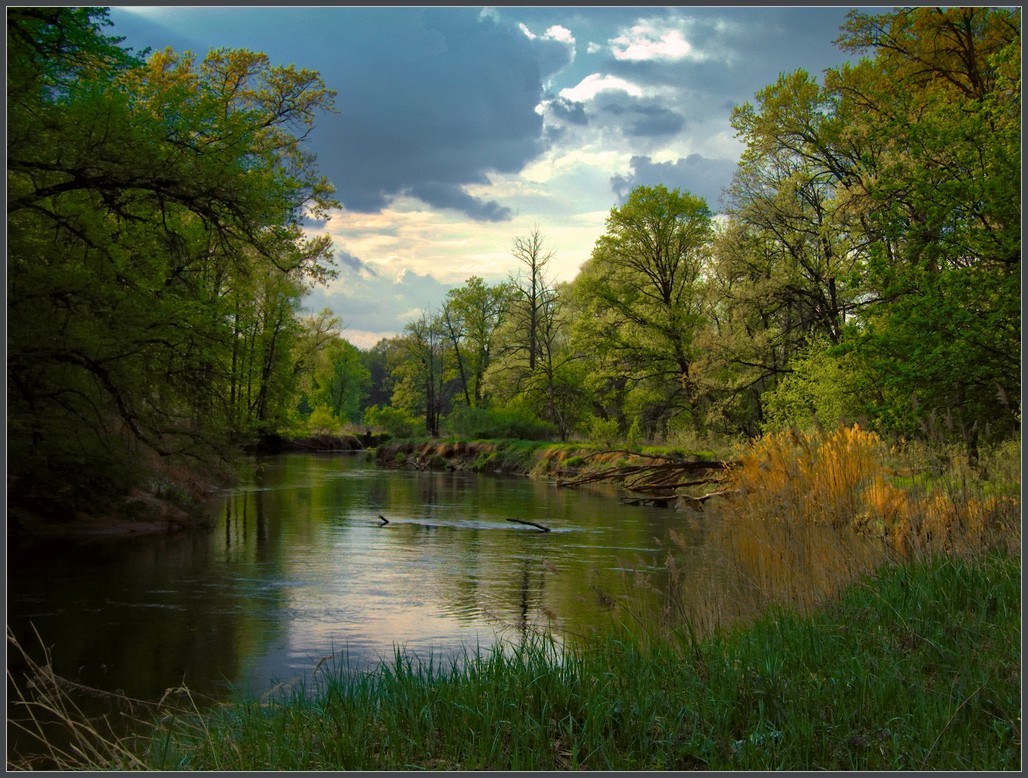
x=698, y=175
x=450, y=196
x=377, y=306
x=431, y=101
x=354, y=263
x=644, y=119
x=594, y=84
x=646, y=41
x=567, y=110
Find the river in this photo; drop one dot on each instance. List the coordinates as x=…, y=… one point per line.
x=298, y=567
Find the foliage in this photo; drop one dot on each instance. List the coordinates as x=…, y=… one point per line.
x=397, y=422
x=478, y=423
x=155, y=256
x=534, y=365
x=470, y=318
x=641, y=303
x=816, y=390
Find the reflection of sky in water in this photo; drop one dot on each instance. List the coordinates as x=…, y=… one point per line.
x=298, y=568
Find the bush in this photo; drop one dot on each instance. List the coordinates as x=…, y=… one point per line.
x=818, y=389
x=477, y=423
x=604, y=432
x=398, y=423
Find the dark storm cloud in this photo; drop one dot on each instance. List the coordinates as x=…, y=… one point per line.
x=640, y=118
x=349, y=260
x=698, y=175
x=453, y=197
x=429, y=100
x=432, y=106
x=568, y=110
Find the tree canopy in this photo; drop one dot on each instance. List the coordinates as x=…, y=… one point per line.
x=156, y=254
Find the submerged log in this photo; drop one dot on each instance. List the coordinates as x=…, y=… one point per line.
x=531, y=524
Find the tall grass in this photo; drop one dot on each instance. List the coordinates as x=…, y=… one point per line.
x=850, y=479
x=813, y=512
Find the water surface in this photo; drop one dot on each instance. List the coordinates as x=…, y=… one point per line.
x=298, y=567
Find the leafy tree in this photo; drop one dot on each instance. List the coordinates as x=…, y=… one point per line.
x=155, y=256
x=470, y=317
x=419, y=367
x=940, y=102
x=376, y=361
x=642, y=303
x=534, y=367
x=341, y=382
x=879, y=213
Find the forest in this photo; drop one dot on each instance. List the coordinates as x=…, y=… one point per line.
x=863, y=267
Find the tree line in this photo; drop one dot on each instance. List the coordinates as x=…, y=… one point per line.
x=865, y=266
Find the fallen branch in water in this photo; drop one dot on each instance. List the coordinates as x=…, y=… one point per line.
x=384, y=520
x=531, y=524
x=698, y=501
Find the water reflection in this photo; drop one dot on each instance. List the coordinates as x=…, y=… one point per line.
x=298, y=567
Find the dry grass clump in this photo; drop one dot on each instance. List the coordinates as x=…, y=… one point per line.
x=849, y=478
x=813, y=512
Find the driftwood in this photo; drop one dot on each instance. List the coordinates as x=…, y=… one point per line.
x=384, y=520
x=656, y=481
x=697, y=502
x=531, y=524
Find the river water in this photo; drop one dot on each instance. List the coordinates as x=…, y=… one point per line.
x=298, y=567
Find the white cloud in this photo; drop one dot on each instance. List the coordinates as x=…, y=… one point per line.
x=560, y=34
x=592, y=85
x=553, y=33
x=646, y=41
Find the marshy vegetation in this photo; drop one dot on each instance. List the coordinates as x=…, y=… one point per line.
x=882, y=633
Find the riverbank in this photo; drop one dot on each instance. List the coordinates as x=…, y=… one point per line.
x=915, y=668
x=560, y=462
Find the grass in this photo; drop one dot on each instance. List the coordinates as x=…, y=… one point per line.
x=917, y=668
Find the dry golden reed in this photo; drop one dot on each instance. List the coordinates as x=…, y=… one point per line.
x=846, y=478
x=813, y=512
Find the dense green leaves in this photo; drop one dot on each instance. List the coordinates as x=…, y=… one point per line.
x=156, y=257
x=642, y=303
x=867, y=265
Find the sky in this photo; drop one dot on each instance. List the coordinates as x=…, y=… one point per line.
x=459, y=129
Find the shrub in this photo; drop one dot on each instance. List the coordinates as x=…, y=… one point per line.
x=604, y=432
x=397, y=422
x=477, y=423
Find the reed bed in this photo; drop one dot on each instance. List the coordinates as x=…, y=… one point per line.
x=813, y=512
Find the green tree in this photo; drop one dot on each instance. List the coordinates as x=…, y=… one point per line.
x=940, y=102
x=155, y=248
x=642, y=304
x=418, y=368
x=470, y=317
x=533, y=370
x=341, y=381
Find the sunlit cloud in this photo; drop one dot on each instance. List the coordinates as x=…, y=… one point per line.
x=592, y=85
